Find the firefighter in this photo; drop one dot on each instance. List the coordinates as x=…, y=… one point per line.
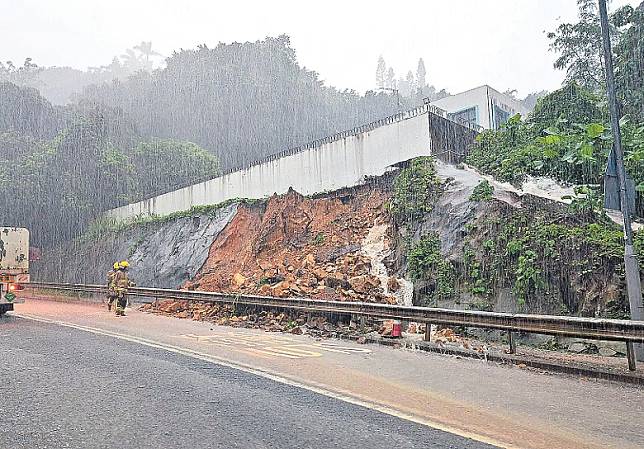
x=121, y=283
x=111, y=293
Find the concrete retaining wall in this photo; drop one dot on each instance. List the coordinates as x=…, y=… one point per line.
x=338, y=161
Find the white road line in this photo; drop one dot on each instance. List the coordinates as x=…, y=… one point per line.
x=314, y=387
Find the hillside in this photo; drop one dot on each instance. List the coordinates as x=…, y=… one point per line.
x=471, y=246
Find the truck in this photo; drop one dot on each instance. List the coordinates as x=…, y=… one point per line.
x=14, y=265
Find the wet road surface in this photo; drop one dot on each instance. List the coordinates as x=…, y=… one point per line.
x=497, y=404
x=65, y=388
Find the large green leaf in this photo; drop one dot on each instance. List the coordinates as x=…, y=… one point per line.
x=586, y=151
x=595, y=130
x=552, y=139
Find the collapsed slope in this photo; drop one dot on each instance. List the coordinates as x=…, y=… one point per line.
x=297, y=246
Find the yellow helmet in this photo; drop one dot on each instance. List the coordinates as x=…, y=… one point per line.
x=116, y=265
x=124, y=264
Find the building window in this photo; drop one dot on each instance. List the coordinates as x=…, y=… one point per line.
x=466, y=115
x=500, y=116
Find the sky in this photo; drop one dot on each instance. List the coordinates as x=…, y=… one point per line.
x=464, y=43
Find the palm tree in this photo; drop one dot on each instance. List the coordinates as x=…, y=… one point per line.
x=145, y=48
x=131, y=60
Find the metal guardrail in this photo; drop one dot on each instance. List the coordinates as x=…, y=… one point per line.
x=592, y=328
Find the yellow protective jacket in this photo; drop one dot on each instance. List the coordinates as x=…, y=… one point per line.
x=121, y=282
x=110, y=281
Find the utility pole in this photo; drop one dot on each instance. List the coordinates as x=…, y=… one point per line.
x=631, y=264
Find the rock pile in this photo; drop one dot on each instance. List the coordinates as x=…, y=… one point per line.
x=270, y=321
x=299, y=246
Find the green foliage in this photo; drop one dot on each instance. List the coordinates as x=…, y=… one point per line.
x=425, y=262
x=95, y=163
x=540, y=254
x=579, y=45
x=24, y=111
x=98, y=228
x=473, y=272
x=587, y=200
x=239, y=101
x=498, y=152
x=527, y=276
x=549, y=144
x=633, y=141
x=165, y=165
x=482, y=192
x=480, y=304
x=416, y=189
x=580, y=54
x=629, y=62
x=319, y=239
x=638, y=243
x=570, y=104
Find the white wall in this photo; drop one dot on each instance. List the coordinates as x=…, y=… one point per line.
x=482, y=98
x=333, y=163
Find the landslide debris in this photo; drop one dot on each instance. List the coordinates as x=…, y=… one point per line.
x=270, y=321
x=300, y=246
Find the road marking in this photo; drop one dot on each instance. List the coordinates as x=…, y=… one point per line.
x=277, y=346
x=315, y=387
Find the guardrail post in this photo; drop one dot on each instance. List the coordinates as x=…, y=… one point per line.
x=428, y=332
x=363, y=322
x=630, y=355
x=512, y=343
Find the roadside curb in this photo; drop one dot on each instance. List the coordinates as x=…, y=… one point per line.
x=506, y=359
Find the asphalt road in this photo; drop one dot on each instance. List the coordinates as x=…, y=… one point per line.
x=65, y=388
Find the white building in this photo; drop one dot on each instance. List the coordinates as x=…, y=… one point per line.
x=482, y=106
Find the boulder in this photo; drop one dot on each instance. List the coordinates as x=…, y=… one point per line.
x=577, y=347
x=607, y=352
x=238, y=280
x=264, y=290
x=392, y=284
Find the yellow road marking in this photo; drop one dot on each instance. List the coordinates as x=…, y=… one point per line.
x=315, y=387
x=270, y=345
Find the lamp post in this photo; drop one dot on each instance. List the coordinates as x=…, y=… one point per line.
x=631, y=264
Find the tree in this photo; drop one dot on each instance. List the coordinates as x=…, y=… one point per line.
x=132, y=61
x=23, y=110
x=239, y=101
x=22, y=75
x=145, y=48
x=390, y=80
x=566, y=106
x=165, y=165
x=381, y=69
x=421, y=74
x=629, y=63
x=511, y=93
x=411, y=83
x=579, y=45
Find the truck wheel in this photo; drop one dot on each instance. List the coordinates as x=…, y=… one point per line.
x=5, y=308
